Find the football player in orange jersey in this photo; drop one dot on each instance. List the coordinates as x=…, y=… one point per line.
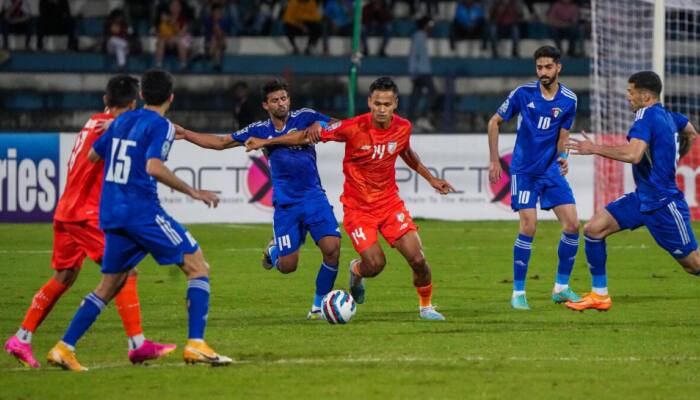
x=77, y=235
x=371, y=202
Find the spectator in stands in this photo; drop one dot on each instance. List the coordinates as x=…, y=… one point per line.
x=245, y=109
x=139, y=15
x=216, y=28
x=421, y=74
x=257, y=17
x=410, y=3
x=232, y=12
x=302, y=17
x=337, y=20
x=16, y=18
x=468, y=22
x=376, y=21
x=563, y=19
x=504, y=21
x=55, y=19
x=116, y=33
x=173, y=33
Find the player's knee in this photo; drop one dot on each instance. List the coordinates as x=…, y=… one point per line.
x=286, y=266
x=691, y=264
x=592, y=230
x=195, y=267
x=528, y=228
x=332, y=256
x=571, y=227
x=373, y=266
x=67, y=276
x=417, y=261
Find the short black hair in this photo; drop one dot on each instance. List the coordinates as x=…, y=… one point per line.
x=121, y=91
x=383, y=84
x=548, y=51
x=648, y=80
x=156, y=86
x=273, y=86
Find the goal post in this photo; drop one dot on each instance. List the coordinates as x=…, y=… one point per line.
x=635, y=35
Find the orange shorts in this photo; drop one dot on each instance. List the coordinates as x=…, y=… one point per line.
x=73, y=241
x=362, y=226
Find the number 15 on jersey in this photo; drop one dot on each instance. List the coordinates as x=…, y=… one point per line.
x=120, y=162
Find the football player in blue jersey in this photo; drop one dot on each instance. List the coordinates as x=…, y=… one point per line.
x=546, y=110
x=656, y=141
x=300, y=203
x=134, y=148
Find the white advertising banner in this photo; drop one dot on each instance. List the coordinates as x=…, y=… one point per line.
x=242, y=181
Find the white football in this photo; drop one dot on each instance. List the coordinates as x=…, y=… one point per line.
x=338, y=307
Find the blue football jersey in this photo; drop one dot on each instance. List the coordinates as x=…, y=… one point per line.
x=129, y=194
x=293, y=169
x=655, y=174
x=539, y=123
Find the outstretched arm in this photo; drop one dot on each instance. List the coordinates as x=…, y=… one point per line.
x=631, y=152
x=206, y=140
x=291, y=139
x=157, y=169
x=412, y=159
x=687, y=137
x=494, y=159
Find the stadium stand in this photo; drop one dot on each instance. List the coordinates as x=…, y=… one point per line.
x=57, y=88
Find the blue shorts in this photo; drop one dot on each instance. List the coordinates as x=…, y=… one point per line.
x=551, y=191
x=669, y=225
x=164, y=238
x=291, y=223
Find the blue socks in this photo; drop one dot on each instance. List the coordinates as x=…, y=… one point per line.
x=86, y=315
x=596, y=255
x=568, y=246
x=274, y=254
x=197, y=306
x=324, y=282
x=521, y=258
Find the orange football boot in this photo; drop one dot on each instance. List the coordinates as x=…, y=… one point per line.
x=591, y=301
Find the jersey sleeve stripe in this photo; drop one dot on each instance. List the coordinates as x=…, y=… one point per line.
x=171, y=131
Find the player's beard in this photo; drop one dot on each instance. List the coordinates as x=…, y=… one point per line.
x=549, y=80
x=281, y=113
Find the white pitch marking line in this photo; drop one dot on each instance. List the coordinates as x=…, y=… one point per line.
x=7, y=251
x=380, y=360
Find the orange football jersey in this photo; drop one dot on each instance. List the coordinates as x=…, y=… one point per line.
x=369, y=165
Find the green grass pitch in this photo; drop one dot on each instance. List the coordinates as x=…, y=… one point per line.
x=647, y=346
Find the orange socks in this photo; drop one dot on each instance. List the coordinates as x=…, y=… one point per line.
x=127, y=302
x=356, y=269
x=42, y=303
x=425, y=294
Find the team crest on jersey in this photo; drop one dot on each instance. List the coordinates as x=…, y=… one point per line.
x=391, y=146
x=556, y=111
x=333, y=125
x=401, y=217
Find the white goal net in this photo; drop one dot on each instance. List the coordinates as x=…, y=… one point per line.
x=623, y=33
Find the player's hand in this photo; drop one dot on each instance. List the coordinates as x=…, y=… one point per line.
x=442, y=186
x=313, y=133
x=180, y=132
x=563, y=166
x=208, y=197
x=581, y=147
x=254, y=144
x=495, y=171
